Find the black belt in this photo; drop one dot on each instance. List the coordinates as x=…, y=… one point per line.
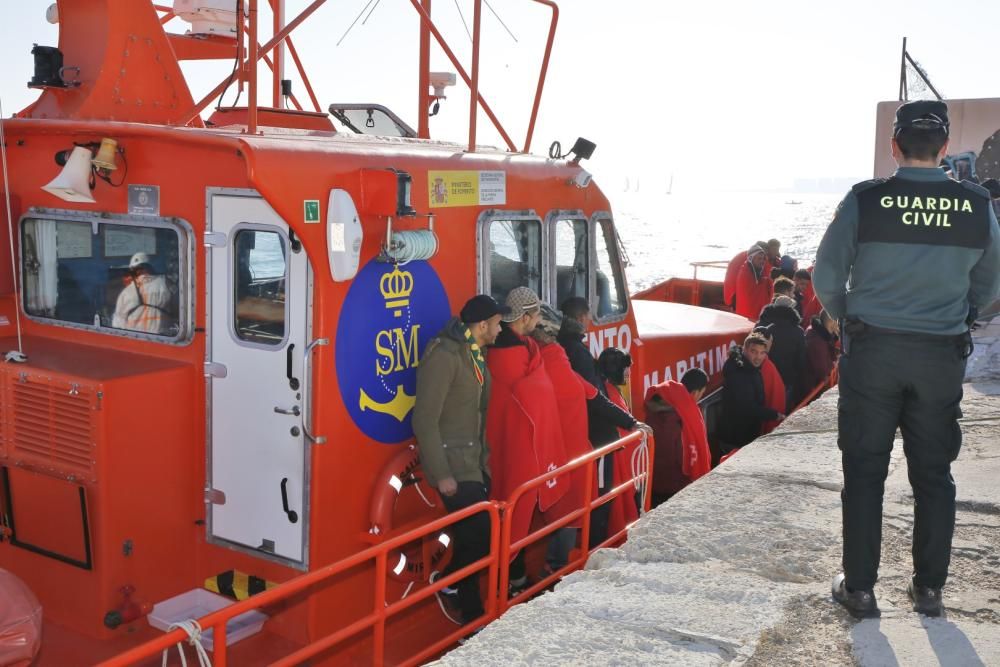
x=858, y=329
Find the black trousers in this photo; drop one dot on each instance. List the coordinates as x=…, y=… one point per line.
x=471, y=539
x=600, y=516
x=913, y=382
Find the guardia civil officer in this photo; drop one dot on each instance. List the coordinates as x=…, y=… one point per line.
x=903, y=264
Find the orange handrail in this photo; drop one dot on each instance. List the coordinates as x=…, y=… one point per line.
x=587, y=461
x=376, y=619
x=828, y=383
x=496, y=602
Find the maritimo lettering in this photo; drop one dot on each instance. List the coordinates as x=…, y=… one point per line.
x=926, y=211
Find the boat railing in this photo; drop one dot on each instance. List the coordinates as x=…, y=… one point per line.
x=715, y=264
x=495, y=602
x=638, y=480
x=830, y=382
x=374, y=621
x=272, y=54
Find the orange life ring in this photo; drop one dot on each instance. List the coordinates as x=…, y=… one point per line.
x=410, y=563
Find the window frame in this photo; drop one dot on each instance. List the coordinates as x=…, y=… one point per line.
x=552, y=220
x=483, y=270
x=186, y=283
x=231, y=262
x=598, y=221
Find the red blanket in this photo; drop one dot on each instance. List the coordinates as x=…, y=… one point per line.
x=732, y=272
x=623, y=508
x=810, y=306
x=752, y=294
x=572, y=393
x=774, y=393
x=697, y=458
x=523, y=430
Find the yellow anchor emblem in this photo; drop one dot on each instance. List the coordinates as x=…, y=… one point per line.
x=398, y=407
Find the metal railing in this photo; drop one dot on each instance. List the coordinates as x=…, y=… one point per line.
x=829, y=383
x=496, y=601
x=715, y=264
x=374, y=621
x=588, y=462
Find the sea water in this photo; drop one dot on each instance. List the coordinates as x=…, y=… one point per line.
x=662, y=234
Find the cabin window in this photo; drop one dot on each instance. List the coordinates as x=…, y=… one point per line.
x=126, y=276
x=512, y=255
x=260, y=269
x=572, y=254
x=609, y=282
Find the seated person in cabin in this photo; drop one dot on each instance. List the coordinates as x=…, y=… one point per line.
x=522, y=422
x=453, y=389
x=145, y=303
x=788, y=350
x=821, y=350
x=682, y=452
x=744, y=409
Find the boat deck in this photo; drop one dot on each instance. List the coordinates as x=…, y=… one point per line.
x=62, y=647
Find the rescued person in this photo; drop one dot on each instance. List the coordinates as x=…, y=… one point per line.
x=744, y=408
x=681, y=453
x=523, y=425
x=613, y=369
x=753, y=284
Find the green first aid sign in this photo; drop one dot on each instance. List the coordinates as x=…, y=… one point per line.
x=311, y=210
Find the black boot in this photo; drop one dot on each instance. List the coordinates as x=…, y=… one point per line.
x=860, y=604
x=926, y=600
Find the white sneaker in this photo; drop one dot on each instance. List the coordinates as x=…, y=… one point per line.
x=447, y=599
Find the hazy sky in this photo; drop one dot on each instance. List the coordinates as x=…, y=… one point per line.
x=727, y=94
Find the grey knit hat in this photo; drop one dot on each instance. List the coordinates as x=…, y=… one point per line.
x=520, y=300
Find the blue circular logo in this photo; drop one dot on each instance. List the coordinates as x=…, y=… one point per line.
x=390, y=314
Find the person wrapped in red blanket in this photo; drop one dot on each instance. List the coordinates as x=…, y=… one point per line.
x=572, y=394
x=774, y=387
x=522, y=420
x=613, y=369
x=753, y=284
x=809, y=305
x=682, y=454
x=732, y=274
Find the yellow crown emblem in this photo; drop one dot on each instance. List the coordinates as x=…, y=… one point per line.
x=396, y=287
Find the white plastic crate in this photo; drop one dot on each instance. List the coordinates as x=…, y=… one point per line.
x=198, y=602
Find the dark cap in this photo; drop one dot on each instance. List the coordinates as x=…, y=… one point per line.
x=921, y=114
x=481, y=307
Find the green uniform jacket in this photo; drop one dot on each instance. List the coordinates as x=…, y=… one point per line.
x=918, y=287
x=449, y=417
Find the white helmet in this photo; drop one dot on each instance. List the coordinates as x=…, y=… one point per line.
x=139, y=259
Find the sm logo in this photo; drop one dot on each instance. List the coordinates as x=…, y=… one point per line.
x=389, y=315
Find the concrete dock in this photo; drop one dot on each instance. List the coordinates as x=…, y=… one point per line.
x=736, y=569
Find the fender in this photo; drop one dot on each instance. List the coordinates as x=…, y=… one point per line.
x=408, y=564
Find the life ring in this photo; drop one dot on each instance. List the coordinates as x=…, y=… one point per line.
x=409, y=564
